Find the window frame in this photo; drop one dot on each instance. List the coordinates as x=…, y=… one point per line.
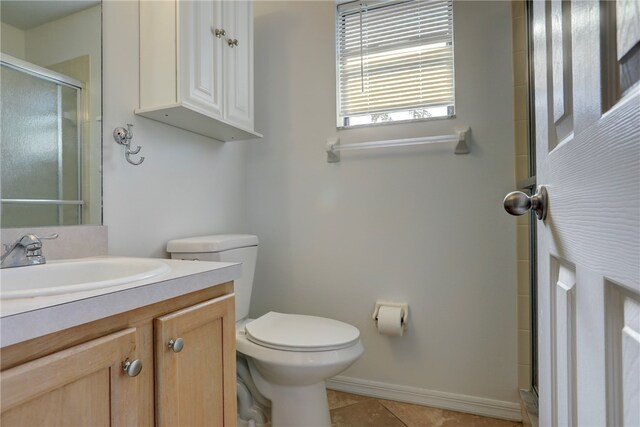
x=340, y=119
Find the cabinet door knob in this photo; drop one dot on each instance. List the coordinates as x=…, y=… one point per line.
x=232, y=42
x=132, y=368
x=218, y=32
x=176, y=345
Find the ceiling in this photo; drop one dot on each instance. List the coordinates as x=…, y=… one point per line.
x=27, y=14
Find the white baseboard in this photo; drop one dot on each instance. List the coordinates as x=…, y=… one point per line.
x=420, y=396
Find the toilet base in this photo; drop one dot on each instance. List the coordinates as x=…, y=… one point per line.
x=300, y=406
x=294, y=406
x=244, y=423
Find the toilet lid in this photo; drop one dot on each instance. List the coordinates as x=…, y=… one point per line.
x=296, y=332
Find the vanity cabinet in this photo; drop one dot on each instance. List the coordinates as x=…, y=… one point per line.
x=75, y=377
x=196, y=66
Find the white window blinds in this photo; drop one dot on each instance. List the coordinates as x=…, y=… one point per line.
x=395, y=60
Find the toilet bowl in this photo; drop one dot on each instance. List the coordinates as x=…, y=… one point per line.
x=289, y=355
x=293, y=378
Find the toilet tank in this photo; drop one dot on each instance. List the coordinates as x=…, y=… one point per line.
x=224, y=248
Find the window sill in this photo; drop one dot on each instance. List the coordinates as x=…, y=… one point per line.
x=396, y=122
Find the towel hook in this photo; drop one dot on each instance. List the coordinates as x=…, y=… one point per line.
x=123, y=137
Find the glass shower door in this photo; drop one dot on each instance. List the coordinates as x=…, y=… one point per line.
x=40, y=150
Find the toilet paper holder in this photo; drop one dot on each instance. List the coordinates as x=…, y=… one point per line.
x=403, y=306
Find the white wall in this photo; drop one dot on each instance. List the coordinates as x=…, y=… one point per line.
x=412, y=224
x=12, y=41
x=188, y=184
x=66, y=38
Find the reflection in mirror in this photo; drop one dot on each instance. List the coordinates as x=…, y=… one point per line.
x=50, y=113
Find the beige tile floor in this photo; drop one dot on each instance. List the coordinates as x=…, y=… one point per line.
x=350, y=410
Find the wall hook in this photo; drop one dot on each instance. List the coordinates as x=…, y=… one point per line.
x=123, y=137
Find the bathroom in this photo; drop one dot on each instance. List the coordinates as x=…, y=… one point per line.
x=414, y=224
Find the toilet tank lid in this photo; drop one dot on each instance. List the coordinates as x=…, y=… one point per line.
x=213, y=243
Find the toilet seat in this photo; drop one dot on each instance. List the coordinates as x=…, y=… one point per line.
x=296, y=332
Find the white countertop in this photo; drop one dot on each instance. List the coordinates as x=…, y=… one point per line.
x=26, y=318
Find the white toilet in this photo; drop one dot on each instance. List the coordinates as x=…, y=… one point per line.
x=289, y=355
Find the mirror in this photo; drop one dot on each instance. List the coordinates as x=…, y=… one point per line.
x=50, y=113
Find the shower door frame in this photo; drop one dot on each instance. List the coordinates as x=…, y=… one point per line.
x=532, y=185
x=60, y=80
x=529, y=186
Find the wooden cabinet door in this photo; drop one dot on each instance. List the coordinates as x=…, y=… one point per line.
x=200, y=56
x=81, y=386
x=196, y=386
x=238, y=63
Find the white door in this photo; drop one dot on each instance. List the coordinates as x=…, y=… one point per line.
x=587, y=125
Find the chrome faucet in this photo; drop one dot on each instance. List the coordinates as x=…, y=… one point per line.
x=27, y=250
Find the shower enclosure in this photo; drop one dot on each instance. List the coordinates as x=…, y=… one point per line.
x=40, y=146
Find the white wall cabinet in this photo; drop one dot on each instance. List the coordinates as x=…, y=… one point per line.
x=196, y=66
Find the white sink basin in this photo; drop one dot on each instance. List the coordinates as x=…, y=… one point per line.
x=61, y=277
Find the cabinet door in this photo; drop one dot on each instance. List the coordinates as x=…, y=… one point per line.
x=196, y=383
x=81, y=386
x=200, y=56
x=238, y=63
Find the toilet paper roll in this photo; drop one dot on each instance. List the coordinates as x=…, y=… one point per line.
x=390, y=321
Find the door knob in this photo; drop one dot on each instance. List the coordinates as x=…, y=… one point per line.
x=132, y=368
x=176, y=345
x=518, y=203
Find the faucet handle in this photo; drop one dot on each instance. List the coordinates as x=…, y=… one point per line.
x=31, y=241
x=49, y=237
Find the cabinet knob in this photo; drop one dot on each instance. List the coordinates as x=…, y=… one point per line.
x=176, y=345
x=218, y=32
x=232, y=42
x=132, y=368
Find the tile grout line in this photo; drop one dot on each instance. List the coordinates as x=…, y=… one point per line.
x=391, y=412
x=381, y=403
x=351, y=404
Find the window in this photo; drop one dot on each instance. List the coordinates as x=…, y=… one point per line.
x=395, y=61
